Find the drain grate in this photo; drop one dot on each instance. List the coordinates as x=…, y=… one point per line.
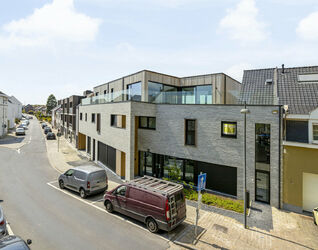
x=220, y=228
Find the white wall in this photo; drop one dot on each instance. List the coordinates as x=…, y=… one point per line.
x=3, y=115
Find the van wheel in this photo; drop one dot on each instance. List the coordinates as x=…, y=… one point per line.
x=61, y=183
x=109, y=206
x=82, y=193
x=152, y=225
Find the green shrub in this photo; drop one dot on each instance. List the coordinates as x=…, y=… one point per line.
x=215, y=200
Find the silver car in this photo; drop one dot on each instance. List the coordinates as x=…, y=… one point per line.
x=3, y=224
x=86, y=180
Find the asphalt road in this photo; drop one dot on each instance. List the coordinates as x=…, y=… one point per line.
x=51, y=218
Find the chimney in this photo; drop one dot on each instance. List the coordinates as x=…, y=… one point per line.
x=283, y=68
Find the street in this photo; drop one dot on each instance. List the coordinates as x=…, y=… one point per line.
x=51, y=218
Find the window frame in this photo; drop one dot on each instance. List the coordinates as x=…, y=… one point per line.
x=81, y=116
x=227, y=135
x=186, y=132
x=86, y=117
x=313, y=130
x=148, y=118
x=93, y=120
x=98, y=122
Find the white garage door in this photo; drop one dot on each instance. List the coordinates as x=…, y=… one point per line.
x=310, y=191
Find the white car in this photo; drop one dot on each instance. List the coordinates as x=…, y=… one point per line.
x=20, y=131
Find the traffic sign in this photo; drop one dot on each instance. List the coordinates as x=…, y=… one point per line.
x=201, y=182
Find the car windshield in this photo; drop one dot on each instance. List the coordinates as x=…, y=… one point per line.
x=14, y=246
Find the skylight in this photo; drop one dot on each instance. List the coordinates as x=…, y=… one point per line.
x=308, y=77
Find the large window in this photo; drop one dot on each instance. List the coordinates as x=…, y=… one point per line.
x=134, y=91
x=189, y=132
x=262, y=162
x=204, y=94
x=154, y=91
x=147, y=122
x=229, y=129
x=188, y=95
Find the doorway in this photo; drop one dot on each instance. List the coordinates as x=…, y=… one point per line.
x=262, y=189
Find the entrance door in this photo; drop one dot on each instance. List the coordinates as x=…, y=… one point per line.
x=94, y=149
x=310, y=191
x=262, y=190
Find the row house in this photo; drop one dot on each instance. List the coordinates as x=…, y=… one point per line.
x=296, y=89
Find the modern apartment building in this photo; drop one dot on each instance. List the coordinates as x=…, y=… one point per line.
x=297, y=89
x=153, y=124
x=67, y=124
x=3, y=114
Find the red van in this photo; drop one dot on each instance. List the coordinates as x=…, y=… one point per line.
x=159, y=204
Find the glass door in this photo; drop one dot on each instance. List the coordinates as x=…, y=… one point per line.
x=262, y=186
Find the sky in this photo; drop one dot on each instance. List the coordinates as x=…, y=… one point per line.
x=64, y=47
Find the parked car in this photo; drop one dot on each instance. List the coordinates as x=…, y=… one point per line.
x=24, y=126
x=20, y=131
x=47, y=129
x=315, y=213
x=50, y=136
x=26, y=122
x=157, y=203
x=3, y=224
x=86, y=180
x=12, y=242
x=43, y=124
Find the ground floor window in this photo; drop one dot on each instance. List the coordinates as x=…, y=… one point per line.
x=220, y=178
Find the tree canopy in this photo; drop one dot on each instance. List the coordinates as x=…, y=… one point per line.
x=51, y=103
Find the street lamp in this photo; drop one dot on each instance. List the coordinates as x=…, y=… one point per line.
x=245, y=111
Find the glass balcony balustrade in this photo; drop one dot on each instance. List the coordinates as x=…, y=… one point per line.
x=170, y=97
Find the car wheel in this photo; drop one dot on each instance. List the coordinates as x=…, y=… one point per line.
x=82, y=193
x=109, y=206
x=152, y=225
x=61, y=183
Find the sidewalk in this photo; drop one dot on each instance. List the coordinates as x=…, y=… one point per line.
x=68, y=157
x=269, y=228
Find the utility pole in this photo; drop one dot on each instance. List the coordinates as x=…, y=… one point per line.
x=245, y=111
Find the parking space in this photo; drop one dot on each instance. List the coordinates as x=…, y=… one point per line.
x=96, y=201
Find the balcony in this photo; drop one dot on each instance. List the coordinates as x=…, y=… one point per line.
x=170, y=97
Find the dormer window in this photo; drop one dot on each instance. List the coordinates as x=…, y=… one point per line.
x=268, y=82
x=303, y=78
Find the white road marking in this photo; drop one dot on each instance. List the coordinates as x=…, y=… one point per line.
x=97, y=201
x=9, y=229
x=103, y=210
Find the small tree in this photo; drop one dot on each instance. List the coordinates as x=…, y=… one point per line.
x=51, y=103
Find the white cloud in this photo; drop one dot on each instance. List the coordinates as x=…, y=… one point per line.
x=308, y=27
x=53, y=22
x=242, y=23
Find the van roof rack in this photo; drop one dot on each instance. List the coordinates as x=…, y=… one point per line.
x=156, y=185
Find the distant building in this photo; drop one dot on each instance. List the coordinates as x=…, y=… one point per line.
x=14, y=111
x=28, y=108
x=3, y=114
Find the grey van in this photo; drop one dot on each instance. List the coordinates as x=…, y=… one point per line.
x=86, y=180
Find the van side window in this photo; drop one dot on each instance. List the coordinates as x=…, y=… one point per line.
x=121, y=191
x=69, y=172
